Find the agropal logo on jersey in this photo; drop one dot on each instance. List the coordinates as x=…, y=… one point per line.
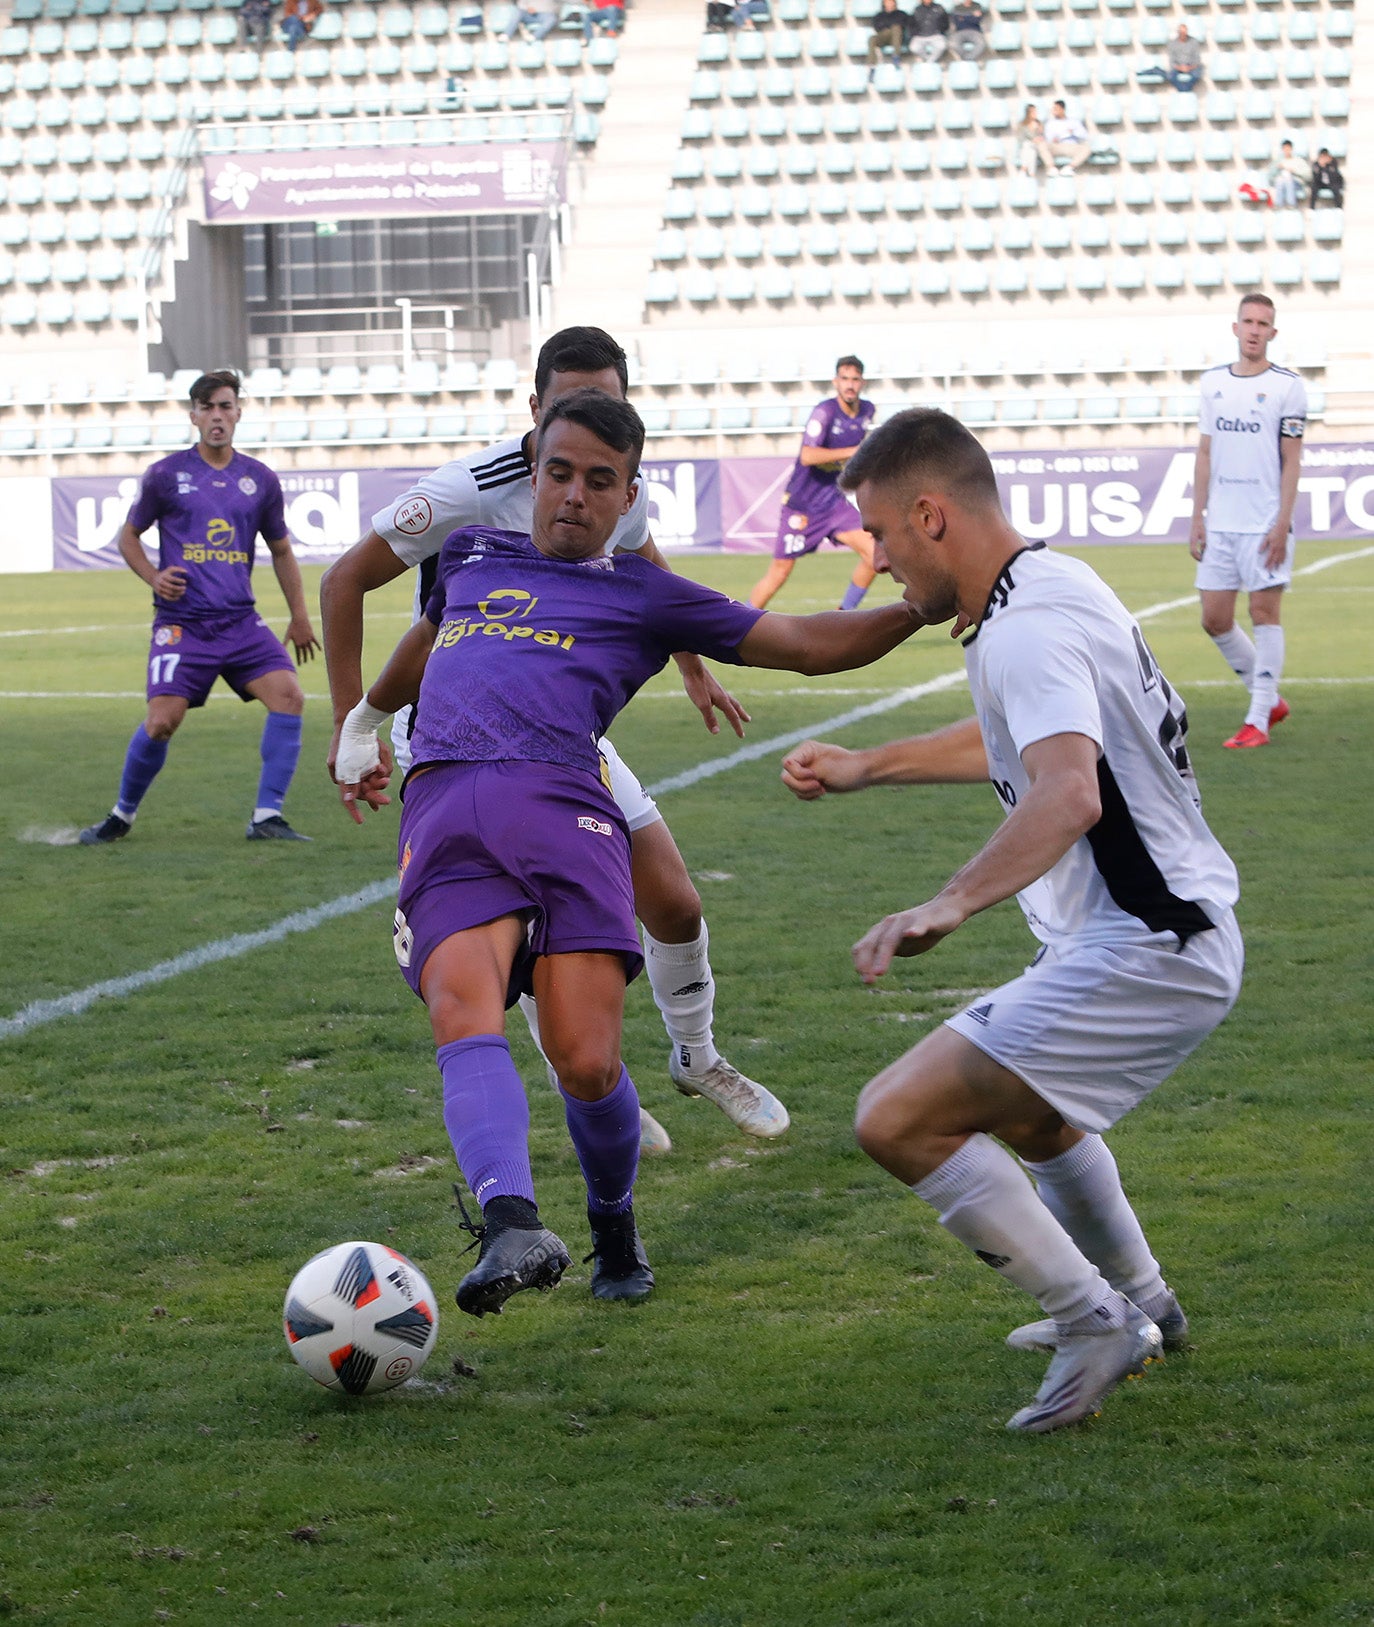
x=218, y=547
x=504, y=612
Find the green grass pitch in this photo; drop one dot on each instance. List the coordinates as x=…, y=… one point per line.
x=805, y=1425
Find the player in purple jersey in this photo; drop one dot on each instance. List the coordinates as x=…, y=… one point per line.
x=515, y=859
x=814, y=509
x=492, y=488
x=210, y=504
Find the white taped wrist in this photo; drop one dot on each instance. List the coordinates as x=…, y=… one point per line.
x=358, y=751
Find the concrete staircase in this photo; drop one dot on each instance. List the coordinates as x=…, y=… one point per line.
x=619, y=211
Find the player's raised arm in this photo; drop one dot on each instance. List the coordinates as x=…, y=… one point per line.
x=952, y=756
x=368, y=564
x=702, y=687
x=831, y=641
x=1062, y=804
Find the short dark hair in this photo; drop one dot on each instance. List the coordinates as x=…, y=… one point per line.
x=206, y=385
x=1255, y=299
x=1060, y=102
x=919, y=444
x=614, y=422
x=579, y=350
x=849, y=361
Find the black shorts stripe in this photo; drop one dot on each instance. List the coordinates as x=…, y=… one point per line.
x=1132, y=878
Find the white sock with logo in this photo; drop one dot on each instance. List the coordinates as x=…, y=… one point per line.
x=1264, y=691
x=1082, y=1189
x=1238, y=653
x=685, y=994
x=984, y=1199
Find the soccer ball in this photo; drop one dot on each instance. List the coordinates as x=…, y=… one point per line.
x=360, y=1318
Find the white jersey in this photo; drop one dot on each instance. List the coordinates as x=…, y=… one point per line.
x=1057, y=653
x=487, y=488
x=1246, y=419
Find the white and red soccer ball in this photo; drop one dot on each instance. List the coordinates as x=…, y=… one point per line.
x=360, y=1318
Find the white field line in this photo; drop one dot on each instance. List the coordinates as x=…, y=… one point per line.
x=242, y=943
x=71, y=1005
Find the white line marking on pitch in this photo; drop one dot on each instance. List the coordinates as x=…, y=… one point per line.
x=70, y=1005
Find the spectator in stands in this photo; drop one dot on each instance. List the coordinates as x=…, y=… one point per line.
x=722, y=14
x=966, y=39
x=1327, y=180
x=607, y=15
x=888, y=38
x=1183, y=68
x=1065, y=137
x=1030, y=138
x=297, y=19
x=256, y=15
x=536, y=18
x=929, y=26
x=1287, y=179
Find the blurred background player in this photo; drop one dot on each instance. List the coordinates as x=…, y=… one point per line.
x=1245, y=484
x=814, y=509
x=493, y=488
x=210, y=504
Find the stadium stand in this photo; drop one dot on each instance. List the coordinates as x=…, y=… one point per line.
x=742, y=207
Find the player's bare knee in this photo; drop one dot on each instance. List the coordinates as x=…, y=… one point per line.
x=671, y=916
x=586, y=1069
x=291, y=702
x=1217, y=624
x=159, y=726
x=883, y=1118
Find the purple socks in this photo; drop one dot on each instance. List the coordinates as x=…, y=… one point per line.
x=281, y=750
x=853, y=597
x=488, y=1117
x=606, y=1136
x=142, y=763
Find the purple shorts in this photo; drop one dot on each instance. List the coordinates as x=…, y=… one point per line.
x=185, y=658
x=483, y=840
x=803, y=532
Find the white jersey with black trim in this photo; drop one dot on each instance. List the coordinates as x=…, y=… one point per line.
x=1058, y=653
x=1246, y=418
x=487, y=488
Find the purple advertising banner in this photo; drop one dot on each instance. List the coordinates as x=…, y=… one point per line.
x=1071, y=498
x=329, y=183
x=327, y=511
x=1065, y=498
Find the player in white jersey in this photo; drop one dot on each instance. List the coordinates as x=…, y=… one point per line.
x=1130, y=894
x=493, y=488
x=1245, y=484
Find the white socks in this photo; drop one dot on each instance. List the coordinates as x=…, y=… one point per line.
x=1238, y=653
x=685, y=994
x=985, y=1200
x=1264, y=690
x=1082, y=1190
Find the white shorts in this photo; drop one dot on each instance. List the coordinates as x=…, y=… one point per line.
x=634, y=801
x=1231, y=563
x=1094, y=1029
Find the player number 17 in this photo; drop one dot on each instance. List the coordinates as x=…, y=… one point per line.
x=161, y=668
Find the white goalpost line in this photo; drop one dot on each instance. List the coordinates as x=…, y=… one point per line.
x=39, y=1012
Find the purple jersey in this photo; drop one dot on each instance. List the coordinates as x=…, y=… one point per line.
x=813, y=486
x=535, y=656
x=208, y=522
